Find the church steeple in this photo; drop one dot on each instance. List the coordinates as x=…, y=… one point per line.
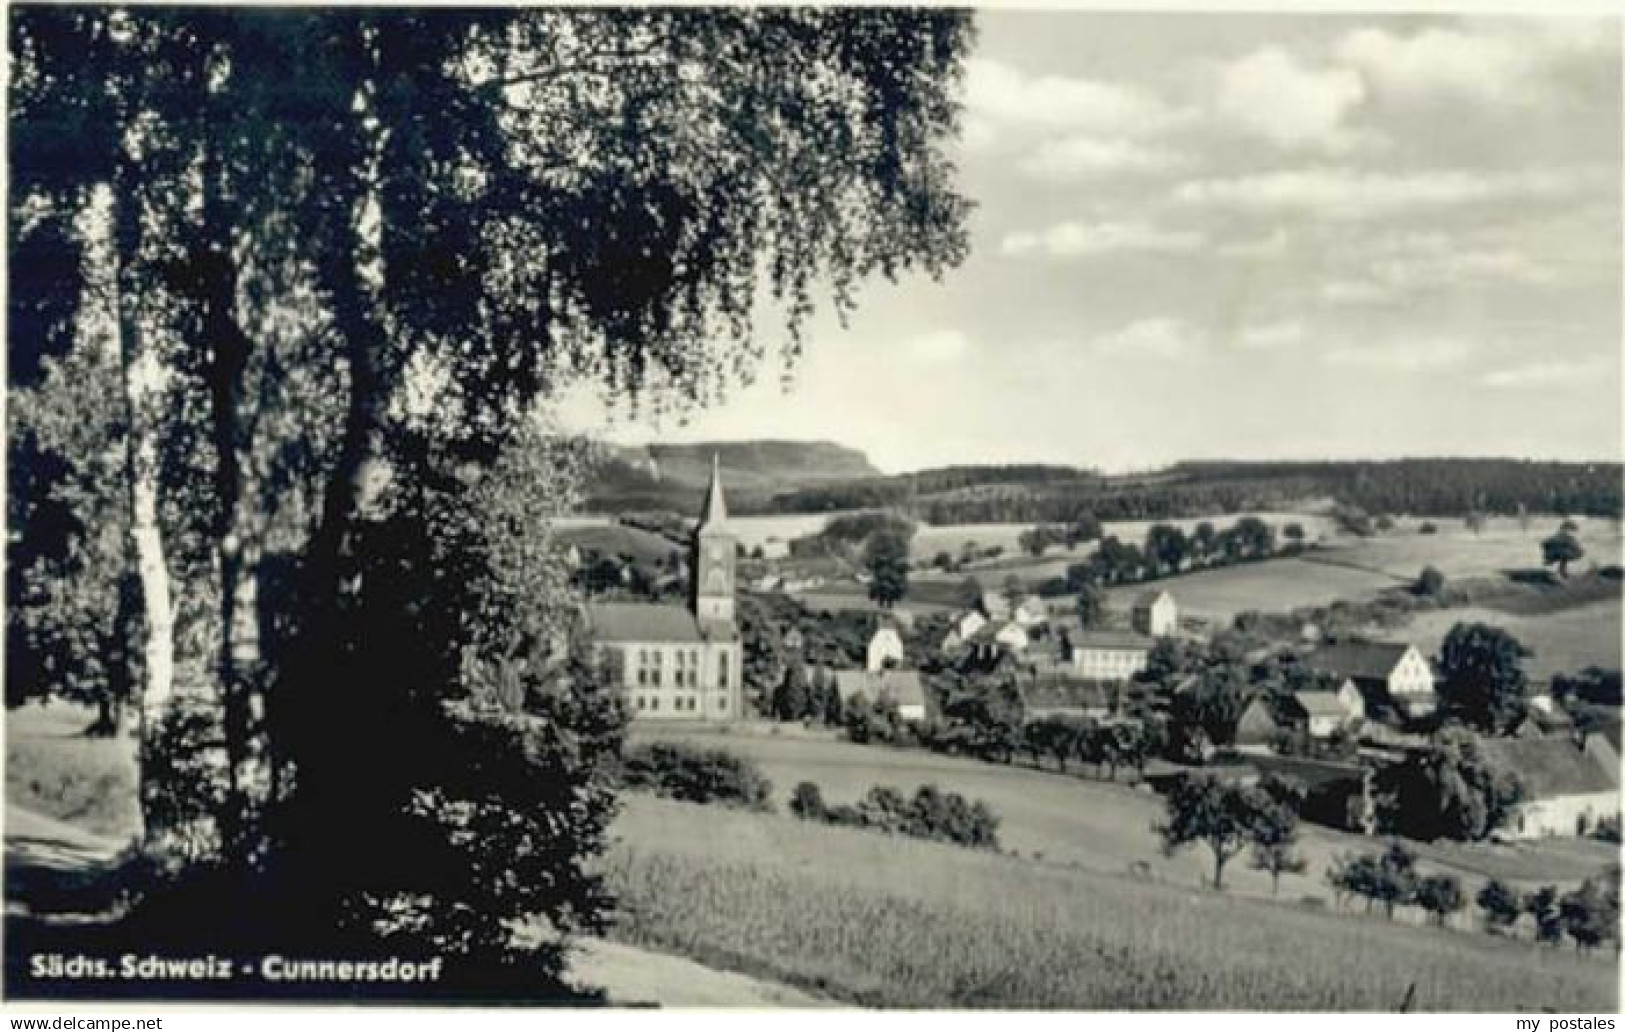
x=714, y=555
x=714, y=514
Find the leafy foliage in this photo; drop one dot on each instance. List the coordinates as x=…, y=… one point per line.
x=1449, y=790
x=697, y=775
x=1482, y=681
x=931, y=814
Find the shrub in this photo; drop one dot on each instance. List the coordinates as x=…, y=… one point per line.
x=932, y=814
x=807, y=802
x=696, y=775
x=1427, y=528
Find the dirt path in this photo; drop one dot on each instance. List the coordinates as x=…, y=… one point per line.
x=57, y=868
x=635, y=977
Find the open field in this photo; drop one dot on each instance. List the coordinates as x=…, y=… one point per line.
x=1273, y=585
x=1100, y=826
x=54, y=770
x=1459, y=553
x=1563, y=642
x=885, y=921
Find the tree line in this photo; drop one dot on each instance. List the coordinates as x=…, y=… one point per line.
x=1425, y=487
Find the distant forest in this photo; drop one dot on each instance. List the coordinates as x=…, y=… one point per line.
x=1050, y=494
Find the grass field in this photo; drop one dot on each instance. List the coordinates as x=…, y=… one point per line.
x=1563, y=642
x=1100, y=826
x=1459, y=553
x=1275, y=585
x=893, y=922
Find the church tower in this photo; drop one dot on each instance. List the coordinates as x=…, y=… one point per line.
x=714, y=555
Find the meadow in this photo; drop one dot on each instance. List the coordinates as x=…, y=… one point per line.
x=1100, y=826
x=891, y=922
x=1562, y=642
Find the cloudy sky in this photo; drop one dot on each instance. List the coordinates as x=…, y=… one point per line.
x=1247, y=236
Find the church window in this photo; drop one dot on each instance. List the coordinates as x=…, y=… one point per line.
x=722, y=670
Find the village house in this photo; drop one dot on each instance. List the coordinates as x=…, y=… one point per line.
x=960, y=630
x=1570, y=783
x=1055, y=694
x=885, y=648
x=675, y=662
x=1109, y=655
x=904, y=688
x=1315, y=715
x=1155, y=614
x=1393, y=678
x=1031, y=612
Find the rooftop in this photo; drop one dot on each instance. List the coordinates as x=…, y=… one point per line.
x=1369, y=659
x=1556, y=765
x=642, y=622
x=1115, y=640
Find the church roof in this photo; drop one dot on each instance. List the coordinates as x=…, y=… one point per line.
x=642, y=622
x=714, y=513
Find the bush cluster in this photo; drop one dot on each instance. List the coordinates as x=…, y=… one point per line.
x=694, y=775
x=932, y=814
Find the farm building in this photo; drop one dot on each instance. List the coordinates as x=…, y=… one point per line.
x=681, y=663
x=1394, y=678
x=1314, y=715
x=1570, y=784
x=1155, y=614
x=1052, y=694
x=1325, y=712
x=775, y=548
x=1109, y=655
x=902, y=687
x=885, y=648
x=961, y=628
x=1031, y=612
x=994, y=605
x=1257, y=728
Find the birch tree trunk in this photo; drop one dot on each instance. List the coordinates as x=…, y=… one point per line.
x=139, y=374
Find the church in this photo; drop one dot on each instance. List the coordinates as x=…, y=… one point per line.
x=682, y=663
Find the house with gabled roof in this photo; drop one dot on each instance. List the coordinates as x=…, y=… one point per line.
x=904, y=688
x=1570, y=782
x=885, y=647
x=1109, y=655
x=1155, y=614
x=1393, y=677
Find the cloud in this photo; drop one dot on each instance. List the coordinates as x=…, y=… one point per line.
x=1346, y=194
x=1558, y=373
x=1152, y=338
x=1273, y=336
x=1354, y=292
x=1083, y=239
x=1076, y=157
x=1274, y=95
x=1402, y=355
x=1264, y=248
x=1513, y=63
x=995, y=90
x=940, y=347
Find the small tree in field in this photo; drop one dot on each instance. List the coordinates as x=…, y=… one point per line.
x=807, y=802
x=1222, y=816
x=1561, y=549
x=1276, y=832
x=1500, y=904
x=1542, y=905
x=1440, y=895
x=1430, y=584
